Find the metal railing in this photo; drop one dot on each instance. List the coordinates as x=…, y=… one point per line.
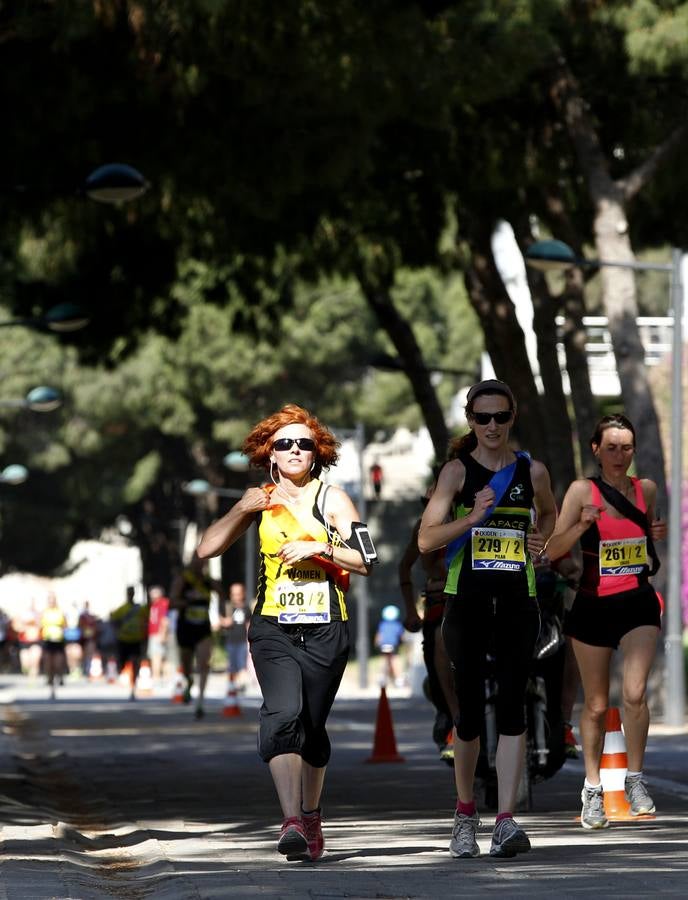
x=655, y=335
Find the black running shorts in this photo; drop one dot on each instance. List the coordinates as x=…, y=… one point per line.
x=603, y=621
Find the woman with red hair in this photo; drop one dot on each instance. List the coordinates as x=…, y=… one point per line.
x=309, y=540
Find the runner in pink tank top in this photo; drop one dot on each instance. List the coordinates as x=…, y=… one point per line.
x=616, y=606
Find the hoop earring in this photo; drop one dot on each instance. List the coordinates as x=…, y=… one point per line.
x=272, y=477
x=312, y=465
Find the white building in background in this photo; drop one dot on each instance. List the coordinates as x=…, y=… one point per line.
x=406, y=459
x=655, y=331
x=99, y=572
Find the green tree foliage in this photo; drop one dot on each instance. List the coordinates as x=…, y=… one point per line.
x=293, y=149
x=129, y=435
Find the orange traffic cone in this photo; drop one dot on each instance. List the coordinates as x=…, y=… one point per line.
x=613, y=768
x=111, y=670
x=231, y=706
x=95, y=669
x=144, y=682
x=178, y=694
x=384, y=745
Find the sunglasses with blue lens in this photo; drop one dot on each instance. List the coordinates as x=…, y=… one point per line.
x=283, y=444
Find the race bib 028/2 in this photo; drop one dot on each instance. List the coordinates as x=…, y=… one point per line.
x=302, y=602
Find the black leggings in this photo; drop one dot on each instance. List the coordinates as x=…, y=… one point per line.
x=299, y=669
x=506, y=627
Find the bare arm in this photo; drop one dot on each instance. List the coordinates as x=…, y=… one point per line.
x=576, y=516
x=545, y=507
x=658, y=527
x=412, y=621
x=225, y=531
x=435, y=531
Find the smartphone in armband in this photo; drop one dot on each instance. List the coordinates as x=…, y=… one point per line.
x=361, y=540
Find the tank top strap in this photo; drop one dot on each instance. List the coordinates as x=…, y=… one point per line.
x=595, y=495
x=639, y=496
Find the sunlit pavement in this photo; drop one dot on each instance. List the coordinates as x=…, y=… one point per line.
x=104, y=797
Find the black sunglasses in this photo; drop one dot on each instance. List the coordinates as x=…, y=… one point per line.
x=283, y=444
x=501, y=417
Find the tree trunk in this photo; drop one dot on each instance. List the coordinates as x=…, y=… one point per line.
x=574, y=333
x=622, y=310
x=504, y=342
x=558, y=434
x=404, y=340
x=619, y=292
x=575, y=337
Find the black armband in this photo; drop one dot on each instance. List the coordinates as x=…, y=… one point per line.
x=361, y=540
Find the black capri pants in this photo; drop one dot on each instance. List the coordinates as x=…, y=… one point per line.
x=299, y=669
x=506, y=627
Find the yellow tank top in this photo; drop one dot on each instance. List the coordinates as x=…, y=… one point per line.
x=52, y=624
x=310, y=592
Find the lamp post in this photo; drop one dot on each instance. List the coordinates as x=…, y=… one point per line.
x=61, y=318
x=199, y=487
x=548, y=255
x=115, y=183
x=112, y=183
x=14, y=474
x=38, y=399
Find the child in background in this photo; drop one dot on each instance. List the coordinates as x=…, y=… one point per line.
x=387, y=639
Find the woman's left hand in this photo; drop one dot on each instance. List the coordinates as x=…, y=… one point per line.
x=536, y=543
x=294, y=551
x=658, y=530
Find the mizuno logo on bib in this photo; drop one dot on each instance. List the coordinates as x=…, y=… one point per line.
x=498, y=549
x=624, y=556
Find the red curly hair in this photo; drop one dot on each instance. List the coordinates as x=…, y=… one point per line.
x=258, y=444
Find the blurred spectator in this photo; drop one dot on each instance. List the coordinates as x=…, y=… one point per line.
x=72, y=636
x=5, y=634
x=53, y=623
x=88, y=625
x=158, y=628
x=235, y=623
x=107, y=640
x=376, y=479
x=28, y=628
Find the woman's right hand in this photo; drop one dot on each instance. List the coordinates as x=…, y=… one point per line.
x=255, y=499
x=484, y=499
x=589, y=514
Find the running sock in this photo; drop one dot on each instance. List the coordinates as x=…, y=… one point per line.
x=592, y=787
x=633, y=774
x=504, y=815
x=466, y=809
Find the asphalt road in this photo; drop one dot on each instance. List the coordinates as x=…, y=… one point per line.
x=105, y=798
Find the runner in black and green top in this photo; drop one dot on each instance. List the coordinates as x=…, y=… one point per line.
x=481, y=512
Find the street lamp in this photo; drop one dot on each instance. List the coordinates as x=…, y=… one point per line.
x=115, y=183
x=61, y=318
x=549, y=255
x=111, y=183
x=38, y=399
x=14, y=474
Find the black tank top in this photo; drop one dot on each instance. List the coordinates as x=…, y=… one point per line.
x=489, y=561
